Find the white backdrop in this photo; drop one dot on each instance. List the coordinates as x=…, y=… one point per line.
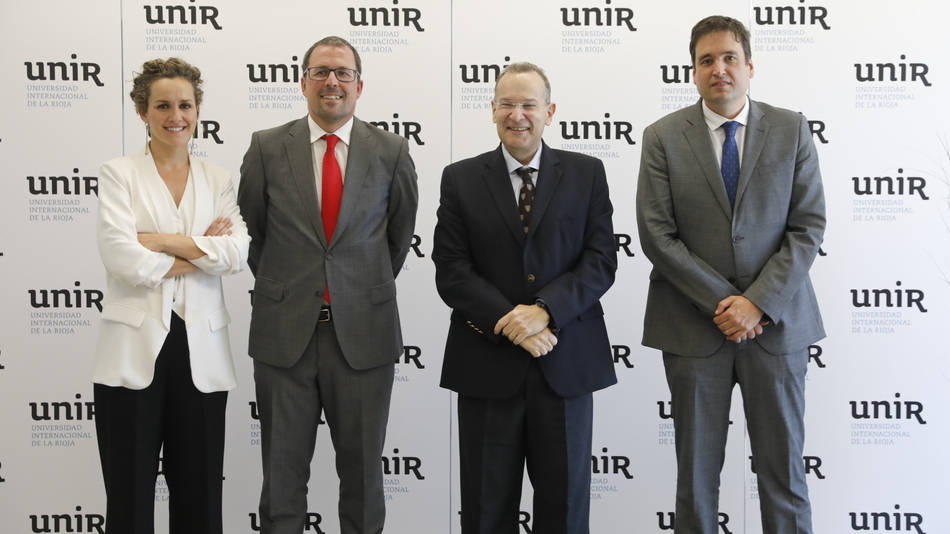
x=871, y=76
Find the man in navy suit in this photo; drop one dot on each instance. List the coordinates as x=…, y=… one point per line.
x=524, y=249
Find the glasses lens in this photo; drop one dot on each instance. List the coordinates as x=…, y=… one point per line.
x=316, y=73
x=345, y=75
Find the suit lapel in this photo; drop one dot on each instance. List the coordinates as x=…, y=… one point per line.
x=498, y=183
x=357, y=167
x=697, y=134
x=549, y=176
x=300, y=157
x=755, y=135
x=156, y=195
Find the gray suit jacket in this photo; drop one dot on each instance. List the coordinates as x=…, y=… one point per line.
x=703, y=251
x=291, y=260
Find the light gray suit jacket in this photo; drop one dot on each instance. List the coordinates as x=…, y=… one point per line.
x=703, y=251
x=292, y=261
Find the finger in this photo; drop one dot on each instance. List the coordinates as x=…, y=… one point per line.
x=501, y=324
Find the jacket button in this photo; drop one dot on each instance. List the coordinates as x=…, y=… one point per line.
x=531, y=278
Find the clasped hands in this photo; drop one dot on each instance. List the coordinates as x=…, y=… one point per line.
x=738, y=318
x=526, y=325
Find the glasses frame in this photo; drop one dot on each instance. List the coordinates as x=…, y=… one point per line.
x=336, y=72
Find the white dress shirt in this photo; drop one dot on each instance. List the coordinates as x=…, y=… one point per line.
x=514, y=165
x=715, y=121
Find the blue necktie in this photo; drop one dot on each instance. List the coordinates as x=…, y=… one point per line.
x=730, y=161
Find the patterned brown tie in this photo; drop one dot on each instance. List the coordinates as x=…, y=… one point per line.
x=525, y=197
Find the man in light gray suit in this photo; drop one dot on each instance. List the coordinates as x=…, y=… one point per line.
x=330, y=204
x=731, y=213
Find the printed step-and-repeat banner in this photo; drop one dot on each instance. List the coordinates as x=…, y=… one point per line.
x=870, y=76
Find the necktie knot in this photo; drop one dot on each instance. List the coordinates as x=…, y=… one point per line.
x=730, y=128
x=525, y=174
x=331, y=140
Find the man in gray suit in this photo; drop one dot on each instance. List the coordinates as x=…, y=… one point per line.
x=731, y=213
x=330, y=203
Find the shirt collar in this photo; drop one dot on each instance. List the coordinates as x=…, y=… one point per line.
x=715, y=120
x=343, y=132
x=514, y=164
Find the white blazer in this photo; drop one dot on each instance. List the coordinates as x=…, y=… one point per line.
x=136, y=310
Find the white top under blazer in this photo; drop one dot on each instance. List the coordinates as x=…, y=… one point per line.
x=137, y=306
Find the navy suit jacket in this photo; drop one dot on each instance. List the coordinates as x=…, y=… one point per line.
x=485, y=265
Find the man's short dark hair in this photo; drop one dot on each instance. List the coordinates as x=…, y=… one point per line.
x=333, y=40
x=718, y=23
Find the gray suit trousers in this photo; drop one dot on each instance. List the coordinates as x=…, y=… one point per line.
x=773, y=393
x=356, y=407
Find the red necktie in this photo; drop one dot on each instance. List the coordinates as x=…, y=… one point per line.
x=332, y=187
x=332, y=191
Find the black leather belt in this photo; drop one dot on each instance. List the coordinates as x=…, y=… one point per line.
x=325, y=315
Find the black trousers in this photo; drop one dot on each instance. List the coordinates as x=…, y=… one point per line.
x=551, y=433
x=172, y=416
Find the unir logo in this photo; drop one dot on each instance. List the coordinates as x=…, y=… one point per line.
x=386, y=16
x=675, y=73
x=77, y=410
x=402, y=465
x=274, y=72
x=475, y=73
x=802, y=15
x=76, y=71
x=68, y=522
x=812, y=466
x=407, y=129
x=610, y=464
x=311, y=523
x=895, y=521
x=65, y=298
x=63, y=185
x=411, y=354
x=598, y=16
x=606, y=129
x=888, y=298
x=892, y=72
x=890, y=185
x=667, y=520
x=888, y=409
x=179, y=14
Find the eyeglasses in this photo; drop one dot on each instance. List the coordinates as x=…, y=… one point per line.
x=320, y=74
x=507, y=106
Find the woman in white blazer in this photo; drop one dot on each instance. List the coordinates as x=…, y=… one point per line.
x=169, y=228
